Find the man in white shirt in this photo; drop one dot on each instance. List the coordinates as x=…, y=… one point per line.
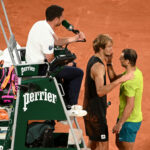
x=40, y=42
x=40, y=46
x=41, y=38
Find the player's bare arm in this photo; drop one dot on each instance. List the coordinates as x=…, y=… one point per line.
x=97, y=74
x=127, y=111
x=110, y=70
x=111, y=73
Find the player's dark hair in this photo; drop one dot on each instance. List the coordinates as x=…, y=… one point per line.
x=101, y=41
x=131, y=55
x=53, y=12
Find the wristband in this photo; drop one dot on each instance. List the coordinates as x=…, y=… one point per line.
x=109, y=64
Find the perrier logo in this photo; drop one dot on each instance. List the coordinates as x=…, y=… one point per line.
x=38, y=96
x=26, y=69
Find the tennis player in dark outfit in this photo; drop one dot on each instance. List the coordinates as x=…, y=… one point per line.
x=95, y=99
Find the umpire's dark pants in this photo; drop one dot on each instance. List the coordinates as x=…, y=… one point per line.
x=72, y=79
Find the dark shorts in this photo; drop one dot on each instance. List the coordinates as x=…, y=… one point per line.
x=96, y=131
x=129, y=131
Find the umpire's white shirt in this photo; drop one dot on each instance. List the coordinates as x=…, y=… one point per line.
x=40, y=42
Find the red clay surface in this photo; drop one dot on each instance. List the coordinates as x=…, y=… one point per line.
x=128, y=22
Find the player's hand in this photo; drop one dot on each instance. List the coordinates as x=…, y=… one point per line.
x=108, y=58
x=117, y=128
x=126, y=77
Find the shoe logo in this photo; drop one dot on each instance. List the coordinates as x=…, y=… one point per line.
x=103, y=136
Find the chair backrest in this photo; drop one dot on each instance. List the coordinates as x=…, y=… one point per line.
x=28, y=70
x=40, y=100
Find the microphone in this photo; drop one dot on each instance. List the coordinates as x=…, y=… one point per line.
x=69, y=27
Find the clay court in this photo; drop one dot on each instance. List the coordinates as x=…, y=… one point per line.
x=126, y=21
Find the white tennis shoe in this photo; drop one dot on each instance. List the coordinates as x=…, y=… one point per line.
x=76, y=113
x=76, y=107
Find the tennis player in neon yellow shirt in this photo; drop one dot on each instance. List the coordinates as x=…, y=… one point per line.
x=130, y=114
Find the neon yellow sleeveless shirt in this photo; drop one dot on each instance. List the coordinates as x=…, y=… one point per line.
x=132, y=88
